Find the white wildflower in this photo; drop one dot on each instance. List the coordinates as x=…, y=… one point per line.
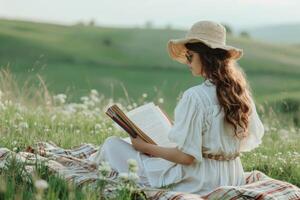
x=124, y=176
x=134, y=105
x=104, y=168
x=282, y=160
x=264, y=156
x=94, y=92
x=95, y=99
x=132, y=165
x=133, y=177
x=160, y=100
x=281, y=170
x=94, y=95
x=15, y=149
x=19, y=116
x=84, y=99
x=98, y=126
x=69, y=109
x=89, y=103
x=60, y=98
x=41, y=184
x=8, y=103
x=145, y=95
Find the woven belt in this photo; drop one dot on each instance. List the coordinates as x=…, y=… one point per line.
x=221, y=157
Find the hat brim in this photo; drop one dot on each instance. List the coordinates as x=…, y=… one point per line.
x=177, y=49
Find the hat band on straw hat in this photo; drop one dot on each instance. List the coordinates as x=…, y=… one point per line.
x=204, y=36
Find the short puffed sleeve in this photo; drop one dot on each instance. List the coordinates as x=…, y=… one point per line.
x=186, y=131
x=256, y=131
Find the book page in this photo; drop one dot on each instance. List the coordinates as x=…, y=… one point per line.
x=152, y=122
x=135, y=111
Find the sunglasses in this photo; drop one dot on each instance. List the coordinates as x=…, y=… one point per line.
x=189, y=57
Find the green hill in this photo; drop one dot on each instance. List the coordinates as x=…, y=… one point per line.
x=75, y=59
x=281, y=33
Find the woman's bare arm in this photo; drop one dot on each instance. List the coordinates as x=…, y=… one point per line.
x=168, y=153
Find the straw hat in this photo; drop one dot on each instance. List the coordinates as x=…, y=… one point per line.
x=210, y=33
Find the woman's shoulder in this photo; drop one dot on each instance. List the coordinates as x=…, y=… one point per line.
x=204, y=93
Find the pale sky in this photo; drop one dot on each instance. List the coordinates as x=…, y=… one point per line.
x=178, y=13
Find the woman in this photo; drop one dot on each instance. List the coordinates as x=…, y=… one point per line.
x=213, y=121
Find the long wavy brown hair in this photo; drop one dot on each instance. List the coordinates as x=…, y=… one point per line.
x=232, y=88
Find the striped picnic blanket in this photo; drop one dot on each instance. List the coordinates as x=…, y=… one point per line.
x=73, y=165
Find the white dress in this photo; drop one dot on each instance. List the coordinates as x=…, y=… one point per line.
x=198, y=123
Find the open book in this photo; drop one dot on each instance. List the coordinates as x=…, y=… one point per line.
x=147, y=121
